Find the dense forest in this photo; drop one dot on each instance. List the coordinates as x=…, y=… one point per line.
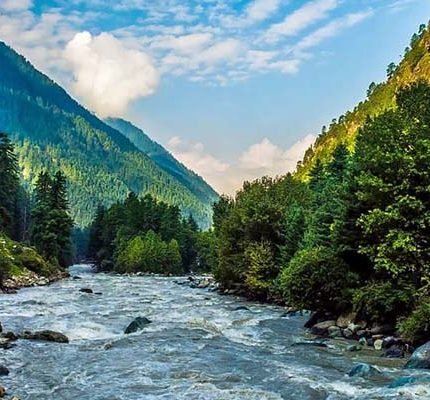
x=414, y=66
x=349, y=232
x=52, y=132
x=146, y=235
x=35, y=231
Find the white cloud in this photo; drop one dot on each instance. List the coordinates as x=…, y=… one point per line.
x=260, y=159
x=195, y=156
x=301, y=19
x=15, y=5
x=259, y=10
x=331, y=29
x=107, y=75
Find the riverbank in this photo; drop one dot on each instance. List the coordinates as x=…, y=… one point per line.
x=199, y=345
x=362, y=336
x=26, y=278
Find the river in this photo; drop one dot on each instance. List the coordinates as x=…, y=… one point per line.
x=197, y=347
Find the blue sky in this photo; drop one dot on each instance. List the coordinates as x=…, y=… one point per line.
x=236, y=89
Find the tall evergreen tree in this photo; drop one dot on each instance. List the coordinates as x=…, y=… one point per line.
x=9, y=188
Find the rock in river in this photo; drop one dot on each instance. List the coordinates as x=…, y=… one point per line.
x=420, y=359
x=137, y=325
x=321, y=329
x=46, y=336
x=4, y=370
x=86, y=290
x=363, y=370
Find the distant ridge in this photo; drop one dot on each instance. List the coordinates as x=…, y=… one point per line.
x=51, y=130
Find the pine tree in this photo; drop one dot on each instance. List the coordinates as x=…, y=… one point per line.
x=9, y=188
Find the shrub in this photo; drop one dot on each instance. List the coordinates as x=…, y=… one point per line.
x=317, y=279
x=416, y=327
x=383, y=301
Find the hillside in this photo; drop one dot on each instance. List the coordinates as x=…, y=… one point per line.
x=414, y=66
x=164, y=159
x=53, y=131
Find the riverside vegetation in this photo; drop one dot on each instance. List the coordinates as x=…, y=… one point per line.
x=349, y=232
x=35, y=234
x=346, y=235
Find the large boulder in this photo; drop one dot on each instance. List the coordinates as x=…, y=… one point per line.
x=137, y=325
x=363, y=370
x=45, y=336
x=420, y=359
x=321, y=329
x=345, y=319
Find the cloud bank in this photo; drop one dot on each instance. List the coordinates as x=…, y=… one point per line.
x=260, y=159
x=107, y=75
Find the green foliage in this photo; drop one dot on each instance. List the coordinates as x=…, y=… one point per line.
x=53, y=132
x=317, y=279
x=16, y=258
x=9, y=187
x=416, y=327
x=381, y=97
x=261, y=269
x=51, y=225
x=141, y=227
x=149, y=253
x=383, y=301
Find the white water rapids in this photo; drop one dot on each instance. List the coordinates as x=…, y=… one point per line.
x=197, y=347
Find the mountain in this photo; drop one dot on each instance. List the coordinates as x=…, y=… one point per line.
x=164, y=160
x=380, y=97
x=53, y=131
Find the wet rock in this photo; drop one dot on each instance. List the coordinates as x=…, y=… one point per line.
x=334, y=332
x=45, y=336
x=317, y=317
x=402, y=381
x=98, y=293
x=9, y=335
x=310, y=343
x=370, y=341
x=76, y=278
x=362, y=341
x=1, y=328
x=394, y=352
x=355, y=327
x=420, y=359
x=86, y=290
x=353, y=348
x=6, y=344
x=4, y=370
x=241, y=308
x=345, y=319
x=362, y=333
x=384, y=329
x=2, y=391
x=347, y=333
x=321, y=329
x=390, y=341
x=378, y=344
x=137, y=325
x=363, y=370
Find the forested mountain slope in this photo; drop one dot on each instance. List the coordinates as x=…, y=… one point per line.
x=51, y=130
x=380, y=97
x=165, y=160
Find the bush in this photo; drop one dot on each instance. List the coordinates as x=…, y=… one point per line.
x=383, y=301
x=317, y=279
x=416, y=327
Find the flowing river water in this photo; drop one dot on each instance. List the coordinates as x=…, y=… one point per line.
x=197, y=347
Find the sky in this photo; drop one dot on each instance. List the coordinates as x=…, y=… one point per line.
x=235, y=89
